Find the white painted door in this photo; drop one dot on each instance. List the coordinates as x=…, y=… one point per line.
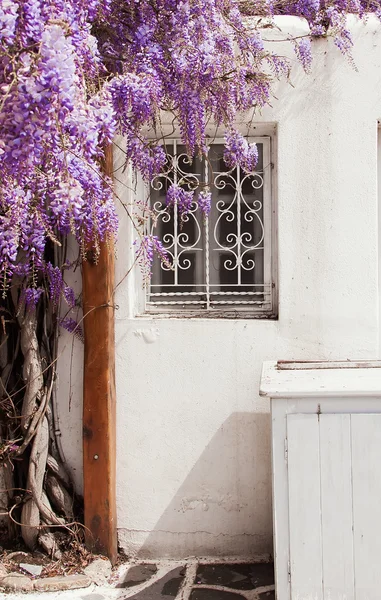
x=334, y=477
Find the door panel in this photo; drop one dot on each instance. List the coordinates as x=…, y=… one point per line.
x=334, y=493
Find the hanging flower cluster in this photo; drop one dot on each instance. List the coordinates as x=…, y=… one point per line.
x=53, y=122
x=205, y=202
x=180, y=197
x=238, y=151
x=322, y=16
x=145, y=253
x=75, y=72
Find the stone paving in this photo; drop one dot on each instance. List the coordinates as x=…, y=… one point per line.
x=188, y=580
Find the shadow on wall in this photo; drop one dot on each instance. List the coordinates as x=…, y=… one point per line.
x=223, y=508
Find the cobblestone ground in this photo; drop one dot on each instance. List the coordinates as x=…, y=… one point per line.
x=175, y=580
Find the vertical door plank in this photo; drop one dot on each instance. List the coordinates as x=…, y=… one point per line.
x=366, y=474
x=336, y=506
x=280, y=498
x=304, y=507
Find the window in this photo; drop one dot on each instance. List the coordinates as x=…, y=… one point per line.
x=222, y=264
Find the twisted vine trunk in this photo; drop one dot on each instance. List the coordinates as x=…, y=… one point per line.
x=43, y=501
x=32, y=371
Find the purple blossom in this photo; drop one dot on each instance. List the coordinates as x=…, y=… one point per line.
x=205, y=202
x=183, y=199
x=56, y=284
x=72, y=326
x=33, y=24
x=69, y=296
x=308, y=8
x=58, y=67
x=317, y=29
x=238, y=152
x=146, y=249
x=8, y=244
x=8, y=19
x=30, y=296
x=304, y=53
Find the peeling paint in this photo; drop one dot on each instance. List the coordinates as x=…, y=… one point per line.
x=203, y=503
x=193, y=504
x=148, y=335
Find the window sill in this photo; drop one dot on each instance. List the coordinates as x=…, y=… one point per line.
x=208, y=315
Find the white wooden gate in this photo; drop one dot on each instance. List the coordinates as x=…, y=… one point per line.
x=334, y=493
x=326, y=451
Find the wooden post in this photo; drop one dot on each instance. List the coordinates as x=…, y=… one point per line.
x=99, y=436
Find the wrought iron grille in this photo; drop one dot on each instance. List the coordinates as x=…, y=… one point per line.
x=222, y=262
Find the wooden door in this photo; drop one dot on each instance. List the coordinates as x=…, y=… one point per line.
x=334, y=489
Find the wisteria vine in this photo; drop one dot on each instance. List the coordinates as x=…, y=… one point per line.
x=75, y=72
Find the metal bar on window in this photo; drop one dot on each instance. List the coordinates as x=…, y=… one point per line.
x=175, y=218
x=267, y=217
x=239, y=234
x=207, y=249
x=239, y=231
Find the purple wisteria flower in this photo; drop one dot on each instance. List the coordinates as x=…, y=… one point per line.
x=55, y=117
x=205, y=202
x=183, y=199
x=30, y=296
x=33, y=24
x=8, y=19
x=308, y=8
x=72, y=326
x=146, y=248
x=238, y=152
x=304, y=53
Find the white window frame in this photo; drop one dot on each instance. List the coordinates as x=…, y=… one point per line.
x=268, y=309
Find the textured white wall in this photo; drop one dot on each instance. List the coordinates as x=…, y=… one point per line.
x=70, y=382
x=193, y=445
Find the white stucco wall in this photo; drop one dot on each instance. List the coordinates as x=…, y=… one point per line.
x=193, y=437
x=70, y=383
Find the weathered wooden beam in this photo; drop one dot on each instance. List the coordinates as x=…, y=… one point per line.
x=99, y=435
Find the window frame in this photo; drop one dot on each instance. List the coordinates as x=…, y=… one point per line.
x=241, y=311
